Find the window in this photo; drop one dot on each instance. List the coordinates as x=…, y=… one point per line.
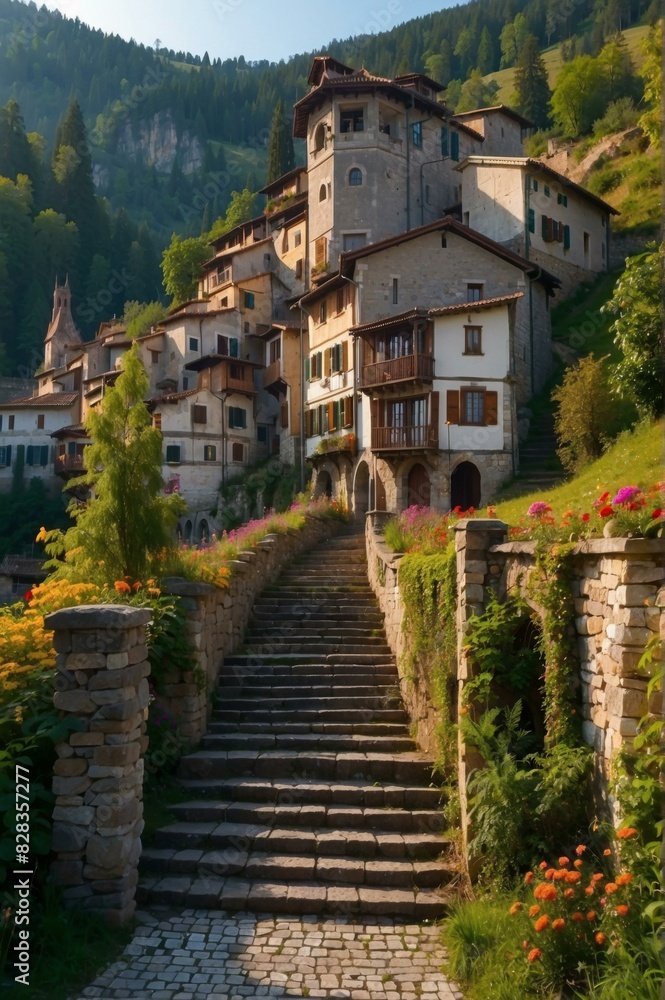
x=36, y=454
x=472, y=340
x=473, y=406
x=267, y=258
x=532, y=221
x=237, y=452
x=427, y=198
x=225, y=301
x=237, y=372
x=352, y=120
x=444, y=242
x=154, y=357
x=173, y=453
x=274, y=351
x=353, y=241
x=299, y=265
x=193, y=343
x=185, y=384
x=323, y=192
x=355, y=177
x=262, y=434
x=6, y=455
x=546, y=190
x=0, y=421
x=10, y=422
x=209, y=453
x=535, y=185
x=562, y=199
x=199, y=414
x=320, y=251
x=248, y=298
x=395, y=291
x=319, y=137
x=474, y=292
x=340, y=300
x=323, y=312
x=417, y=134
x=222, y=344
x=157, y=421
x=233, y=347
x=314, y=367
x=347, y=411
x=444, y=140
x=237, y=418
x=454, y=146
x=40, y=421
x=297, y=238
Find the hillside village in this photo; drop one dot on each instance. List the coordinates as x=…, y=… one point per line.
x=395, y=297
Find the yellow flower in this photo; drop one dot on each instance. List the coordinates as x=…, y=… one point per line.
x=41, y=534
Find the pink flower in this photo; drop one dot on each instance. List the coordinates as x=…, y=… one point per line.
x=538, y=509
x=626, y=494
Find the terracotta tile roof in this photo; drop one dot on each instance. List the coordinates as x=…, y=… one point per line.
x=49, y=399
x=474, y=306
x=173, y=397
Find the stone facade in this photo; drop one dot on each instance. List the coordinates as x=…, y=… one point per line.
x=102, y=669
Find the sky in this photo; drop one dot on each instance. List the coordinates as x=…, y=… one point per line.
x=257, y=29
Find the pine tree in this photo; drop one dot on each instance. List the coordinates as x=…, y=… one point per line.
x=485, y=57
x=533, y=91
x=16, y=154
x=281, y=157
x=74, y=187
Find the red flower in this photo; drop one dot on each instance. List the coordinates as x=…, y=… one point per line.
x=585, y=517
x=27, y=596
x=658, y=512
x=606, y=511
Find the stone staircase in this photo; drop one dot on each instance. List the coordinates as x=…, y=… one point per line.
x=308, y=794
x=540, y=466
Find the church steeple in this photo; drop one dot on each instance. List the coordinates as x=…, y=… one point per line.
x=62, y=300
x=62, y=336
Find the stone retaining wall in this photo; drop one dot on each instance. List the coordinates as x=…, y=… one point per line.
x=217, y=619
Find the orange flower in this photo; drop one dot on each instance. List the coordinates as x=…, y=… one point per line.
x=563, y=862
x=560, y=874
x=543, y=865
x=606, y=852
x=541, y=923
x=558, y=924
x=622, y=910
x=515, y=908
x=625, y=832
x=600, y=938
x=545, y=891
x=573, y=877
x=611, y=887
x=122, y=587
x=534, y=911
x=624, y=878
x=569, y=893
x=534, y=955
x=578, y=863
x=577, y=916
x=580, y=849
x=591, y=915
x=549, y=874
x=589, y=891
x=598, y=877
x=528, y=878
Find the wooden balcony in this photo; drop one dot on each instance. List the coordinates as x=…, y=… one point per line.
x=410, y=437
x=240, y=384
x=273, y=374
x=69, y=465
x=411, y=366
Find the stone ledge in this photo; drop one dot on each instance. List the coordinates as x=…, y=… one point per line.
x=592, y=546
x=87, y=617
x=178, y=586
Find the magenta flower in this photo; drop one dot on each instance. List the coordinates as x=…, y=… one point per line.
x=539, y=508
x=626, y=494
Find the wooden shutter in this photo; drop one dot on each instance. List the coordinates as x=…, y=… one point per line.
x=452, y=406
x=543, y=226
x=284, y=411
x=307, y=370
x=309, y=419
x=331, y=416
x=345, y=355
x=320, y=250
x=237, y=452
x=348, y=411
x=491, y=407
x=328, y=361
x=375, y=412
x=434, y=418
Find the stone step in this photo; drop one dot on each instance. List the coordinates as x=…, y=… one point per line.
x=301, y=630
x=317, y=602
x=282, y=646
x=250, y=706
x=311, y=715
x=316, y=792
x=323, y=728
x=404, y=767
x=295, y=618
x=281, y=690
x=314, y=659
x=233, y=861
x=308, y=741
x=297, y=674
x=298, y=898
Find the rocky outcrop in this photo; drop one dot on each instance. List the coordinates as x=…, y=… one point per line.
x=155, y=142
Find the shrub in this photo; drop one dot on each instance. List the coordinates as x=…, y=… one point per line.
x=584, y=413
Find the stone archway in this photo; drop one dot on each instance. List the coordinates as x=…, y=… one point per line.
x=203, y=532
x=324, y=484
x=419, y=487
x=361, y=492
x=187, y=532
x=465, y=486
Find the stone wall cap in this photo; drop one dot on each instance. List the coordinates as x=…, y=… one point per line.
x=515, y=548
x=481, y=524
x=98, y=616
x=590, y=546
x=178, y=586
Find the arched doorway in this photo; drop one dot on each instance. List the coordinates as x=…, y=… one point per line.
x=361, y=491
x=465, y=486
x=419, y=488
x=380, y=501
x=204, y=533
x=324, y=486
x=188, y=531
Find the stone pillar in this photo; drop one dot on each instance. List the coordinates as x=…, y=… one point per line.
x=101, y=680
x=473, y=539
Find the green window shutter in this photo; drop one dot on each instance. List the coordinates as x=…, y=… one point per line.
x=233, y=344
x=336, y=421
x=307, y=370
x=454, y=146
x=29, y=455
x=44, y=455
x=543, y=226
x=532, y=221
x=444, y=140
x=566, y=237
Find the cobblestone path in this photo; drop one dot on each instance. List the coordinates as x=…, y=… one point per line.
x=203, y=953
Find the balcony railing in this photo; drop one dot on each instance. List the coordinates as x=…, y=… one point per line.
x=240, y=384
x=410, y=436
x=221, y=278
x=68, y=463
x=410, y=366
x=272, y=374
